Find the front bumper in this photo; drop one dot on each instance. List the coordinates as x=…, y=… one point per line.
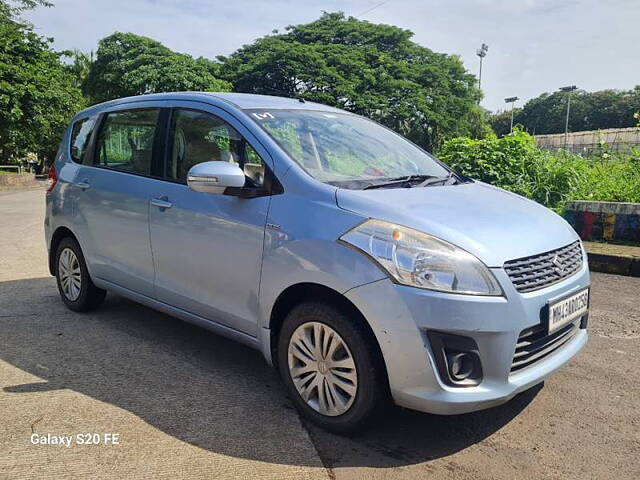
x=401, y=316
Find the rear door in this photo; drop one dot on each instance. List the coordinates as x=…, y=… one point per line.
x=113, y=187
x=207, y=248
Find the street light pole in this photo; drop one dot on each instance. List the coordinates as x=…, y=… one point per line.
x=512, y=101
x=481, y=52
x=568, y=91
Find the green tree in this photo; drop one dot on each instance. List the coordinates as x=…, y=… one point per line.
x=14, y=8
x=373, y=70
x=80, y=66
x=501, y=121
x=589, y=111
x=37, y=94
x=128, y=64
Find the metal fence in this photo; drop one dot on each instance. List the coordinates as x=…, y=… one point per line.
x=17, y=168
x=614, y=139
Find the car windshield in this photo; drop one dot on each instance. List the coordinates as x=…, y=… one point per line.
x=346, y=150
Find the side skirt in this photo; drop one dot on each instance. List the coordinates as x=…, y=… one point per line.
x=192, y=318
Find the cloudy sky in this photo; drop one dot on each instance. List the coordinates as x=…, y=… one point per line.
x=534, y=45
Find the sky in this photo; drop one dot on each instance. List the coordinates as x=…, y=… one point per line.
x=535, y=46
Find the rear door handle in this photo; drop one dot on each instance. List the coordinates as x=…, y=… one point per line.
x=162, y=203
x=82, y=185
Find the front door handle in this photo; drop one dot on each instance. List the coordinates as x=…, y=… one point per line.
x=162, y=203
x=82, y=185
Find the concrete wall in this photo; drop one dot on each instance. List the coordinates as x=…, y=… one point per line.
x=16, y=179
x=583, y=142
x=605, y=221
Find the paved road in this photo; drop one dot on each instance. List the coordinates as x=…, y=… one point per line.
x=188, y=403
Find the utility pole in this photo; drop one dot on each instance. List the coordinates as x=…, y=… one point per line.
x=512, y=101
x=568, y=91
x=481, y=52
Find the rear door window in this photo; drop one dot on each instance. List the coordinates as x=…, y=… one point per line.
x=80, y=136
x=126, y=140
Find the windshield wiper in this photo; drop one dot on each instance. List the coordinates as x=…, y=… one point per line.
x=434, y=180
x=400, y=180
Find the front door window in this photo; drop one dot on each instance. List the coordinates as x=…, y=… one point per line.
x=198, y=137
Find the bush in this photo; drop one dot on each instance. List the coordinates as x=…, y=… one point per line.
x=515, y=163
x=612, y=178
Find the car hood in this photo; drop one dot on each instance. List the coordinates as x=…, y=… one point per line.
x=491, y=223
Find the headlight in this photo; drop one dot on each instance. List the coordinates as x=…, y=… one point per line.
x=419, y=260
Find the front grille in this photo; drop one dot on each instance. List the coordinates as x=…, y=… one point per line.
x=539, y=271
x=534, y=344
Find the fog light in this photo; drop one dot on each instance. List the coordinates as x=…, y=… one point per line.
x=457, y=359
x=460, y=366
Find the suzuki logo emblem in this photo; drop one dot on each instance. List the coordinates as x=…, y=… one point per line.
x=558, y=267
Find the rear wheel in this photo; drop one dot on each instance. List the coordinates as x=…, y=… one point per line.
x=330, y=367
x=74, y=283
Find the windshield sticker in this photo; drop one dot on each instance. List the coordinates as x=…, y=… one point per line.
x=262, y=116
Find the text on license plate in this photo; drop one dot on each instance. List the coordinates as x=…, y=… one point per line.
x=568, y=309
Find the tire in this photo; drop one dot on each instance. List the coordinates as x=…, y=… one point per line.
x=74, y=283
x=347, y=416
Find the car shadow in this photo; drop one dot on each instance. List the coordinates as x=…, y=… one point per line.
x=404, y=437
x=202, y=388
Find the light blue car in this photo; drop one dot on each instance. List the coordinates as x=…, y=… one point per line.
x=358, y=264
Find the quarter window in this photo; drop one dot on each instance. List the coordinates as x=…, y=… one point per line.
x=126, y=141
x=80, y=136
x=201, y=137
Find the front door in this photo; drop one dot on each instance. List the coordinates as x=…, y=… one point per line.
x=207, y=248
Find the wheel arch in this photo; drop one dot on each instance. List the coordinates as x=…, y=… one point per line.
x=304, y=292
x=56, y=238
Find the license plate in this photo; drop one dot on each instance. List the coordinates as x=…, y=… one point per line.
x=568, y=309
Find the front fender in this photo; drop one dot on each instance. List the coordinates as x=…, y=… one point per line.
x=304, y=248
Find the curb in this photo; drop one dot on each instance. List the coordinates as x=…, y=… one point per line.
x=619, y=265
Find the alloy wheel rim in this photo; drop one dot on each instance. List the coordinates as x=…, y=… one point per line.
x=70, y=274
x=322, y=369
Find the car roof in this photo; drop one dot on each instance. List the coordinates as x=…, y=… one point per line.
x=239, y=100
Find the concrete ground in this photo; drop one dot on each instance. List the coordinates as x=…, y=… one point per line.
x=187, y=403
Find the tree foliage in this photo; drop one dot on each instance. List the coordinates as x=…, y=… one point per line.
x=128, y=64
x=373, y=70
x=37, y=94
x=13, y=8
x=589, y=111
x=80, y=66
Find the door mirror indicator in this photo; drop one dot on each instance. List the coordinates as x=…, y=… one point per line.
x=215, y=177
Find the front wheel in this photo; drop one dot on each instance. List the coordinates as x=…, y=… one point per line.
x=330, y=367
x=74, y=283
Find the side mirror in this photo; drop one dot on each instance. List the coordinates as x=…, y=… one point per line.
x=214, y=177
